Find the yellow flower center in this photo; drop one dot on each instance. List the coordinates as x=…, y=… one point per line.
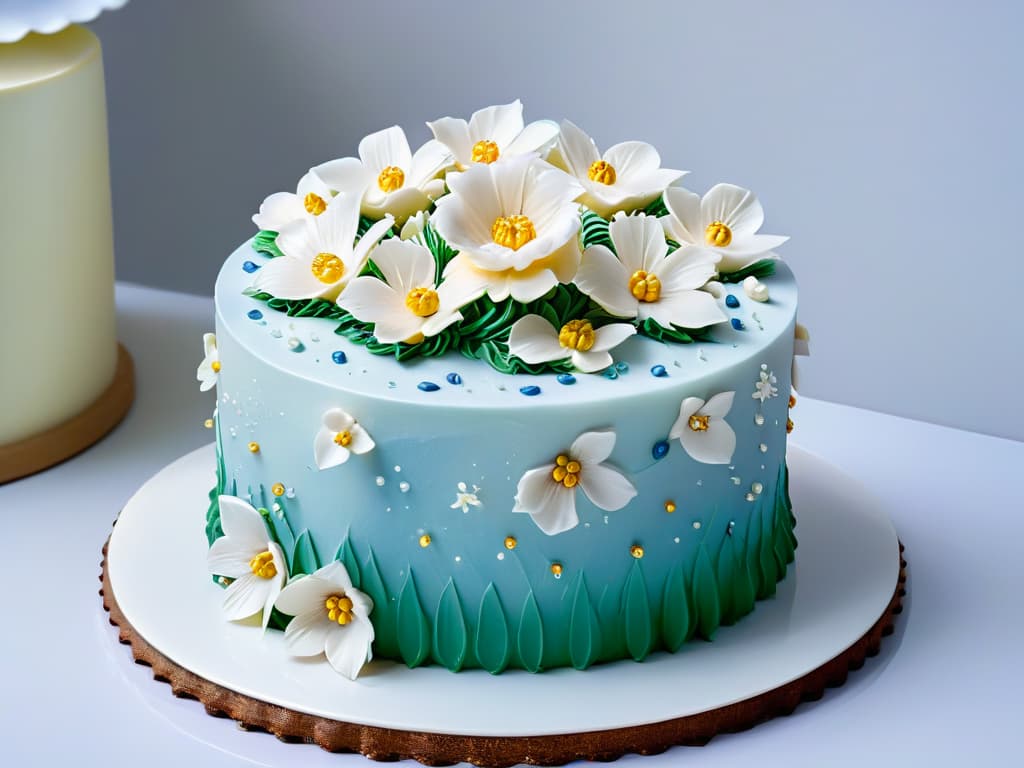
x=263, y=565
x=718, y=234
x=566, y=471
x=314, y=203
x=602, y=172
x=577, y=334
x=215, y=365
x=698, y=423
x=391, y=178
x=339, y=609
x=485, y=152
x=513, y=231
x=327, y=268
x=343, y=438
x=644, y=287
x=422, y=302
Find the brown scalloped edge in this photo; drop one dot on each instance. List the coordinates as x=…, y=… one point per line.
x=386, y=744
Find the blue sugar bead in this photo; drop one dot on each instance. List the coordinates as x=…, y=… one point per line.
x=531, y=390
x=737, y=324
x=659, y=371
x=339, y=357
x=622, y=367
x=660, y=449
x=610, y=372
x=454, y=378
x=255, y=314
x=427, y=386
x=250, y=266
x=731, y=301
x=566, y=378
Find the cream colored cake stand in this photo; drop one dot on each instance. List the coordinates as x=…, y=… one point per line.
x=830, y=612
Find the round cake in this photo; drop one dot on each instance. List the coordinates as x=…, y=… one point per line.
x=504, y=402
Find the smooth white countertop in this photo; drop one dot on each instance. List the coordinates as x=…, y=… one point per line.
x=943, y=691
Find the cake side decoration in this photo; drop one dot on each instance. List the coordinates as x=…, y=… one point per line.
x=209, y=368
x=338, y=438
x=512, y=214
x=703, y=431
x=548, y=493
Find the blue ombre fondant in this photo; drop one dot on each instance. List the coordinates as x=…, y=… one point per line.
x=692, y=574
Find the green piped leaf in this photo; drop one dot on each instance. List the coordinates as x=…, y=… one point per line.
x=304, y=557
x=724, y=575
x=676, y=617
x=705, y=595
x=493, y=649
x=584, y=630
x=610, y=616
x=674, y=334
x=451, y=638
x=411, y=625
x=768, y=570
x=530, y=638
x=639, y=624
x=759, y=269
x=348, y=558
x=265, y=242
x=383, y=609
x=594, y=231
x=657, y=207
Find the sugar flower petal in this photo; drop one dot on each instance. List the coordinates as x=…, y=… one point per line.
x=339, y=437
x=703, y=431
x=534, y=340
x=607, y=488
x=551, y=505
x=209, y=369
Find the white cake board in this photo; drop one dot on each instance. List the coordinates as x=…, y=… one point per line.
x=847, y=567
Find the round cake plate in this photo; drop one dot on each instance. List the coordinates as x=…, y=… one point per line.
x=829, y=613
x=60, y=443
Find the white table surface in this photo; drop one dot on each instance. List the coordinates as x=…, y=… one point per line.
x=943, y=691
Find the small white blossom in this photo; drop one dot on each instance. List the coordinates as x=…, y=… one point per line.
x=765, y=388
x=464, y=498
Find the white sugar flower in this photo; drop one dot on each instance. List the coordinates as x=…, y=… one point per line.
x=493, y=133
x=765, y=388
x=311, y=198
x=534, y=340
x=515, y=226
x=724, y=222
x=703, y=431
x=330, y=617
x=414, y=226
x=465, y=498
x=338, y=438
x=393, y=180
x=246, y=554
x=642, y=282
x=627, y=177
x=407, y=304
x=320, y=254
x=208, y=370
x=548, y=493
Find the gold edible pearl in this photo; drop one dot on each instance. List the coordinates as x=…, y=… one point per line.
x=636, y=551
x=510, y=542
x=277, y=489
x=425, y=540
x=254, y=447
x=215, y=366
x=670, y=506
x=792, y=401
x=208, y=423
x=556, y=569
x=789, y=426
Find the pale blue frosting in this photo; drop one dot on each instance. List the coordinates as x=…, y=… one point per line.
x=278, y=377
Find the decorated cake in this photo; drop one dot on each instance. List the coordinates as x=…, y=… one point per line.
x=503, y=402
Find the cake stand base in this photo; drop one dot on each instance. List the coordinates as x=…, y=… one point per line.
x=59, y=443
x=831, y=612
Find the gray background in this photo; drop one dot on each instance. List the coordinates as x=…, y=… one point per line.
x=884, y=137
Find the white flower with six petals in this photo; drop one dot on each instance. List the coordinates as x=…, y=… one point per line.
x=548, y=493
x=407, y=305
x=493, y=133
x=724, y=222
x=338, y=438
x=330, y=617
x=627, y=177
x=465, y=498
x=320, y=254
x=246, y=554
x=515, y=225
x=208, y=370
x=392, y=179
x=703, y=431
x=643, y=282
x=534, y=340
